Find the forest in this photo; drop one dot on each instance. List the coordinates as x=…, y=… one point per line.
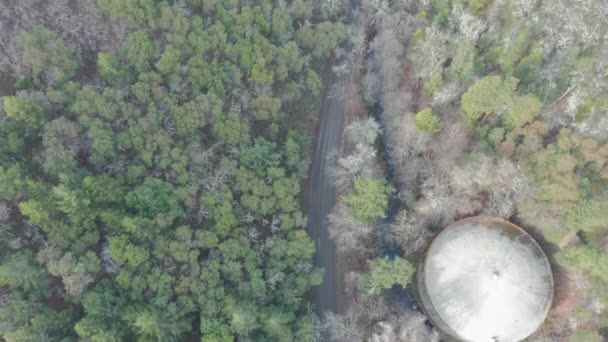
x=474, y=107
x=152, y=160
x=155, y=157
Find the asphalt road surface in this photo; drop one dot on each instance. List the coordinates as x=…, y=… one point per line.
x=321, y=199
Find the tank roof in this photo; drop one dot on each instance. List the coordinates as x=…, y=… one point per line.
x=486, y=280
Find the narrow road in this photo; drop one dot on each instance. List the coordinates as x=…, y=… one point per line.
x=321, y=199
x=330, y=295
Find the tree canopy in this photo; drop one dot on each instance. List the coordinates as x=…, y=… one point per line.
x=150, y=187
x=369, y=198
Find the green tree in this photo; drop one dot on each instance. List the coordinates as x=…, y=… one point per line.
x=243, y=317
x=442, y=9
x=328, y=36
x=102, y=141
x=66, y=216
x=260, y=73
x=194, y=115
x=220, y=210
x=313, y=82
x=61, y=145
x=104, y=190
x=25, y=320
x=23, y=273
x=16, y=313
x=586, y=336
x=13, y=181
x=25, y=111
x=509, y=55
x=76, y=272
x=260, y=157
x=477, y=5
x=12, y=138
x=139, y=51
x=275, y=322
x=463, y=66
x=105, y=315
x=231, y=128
x=124, y=252
x=433, y=84
x=490, y=94
x=161, y=324
x=46, y=54
x=291, y=56
x=369, y=199
x=383, y=274
x=295, y=147
x=585, y=258
x=522, y=110
x=281, y=24
x=527, y=70
x=266, y=108
x=586, y=215
x=494, y=137
x=324, y=39
x=426, y=121
x=73, y=203
x=300, y=9
x=154, y=199
x=169, y=62
x=109, y=67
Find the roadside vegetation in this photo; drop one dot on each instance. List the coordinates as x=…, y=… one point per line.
x=152, y=159
x=492, y=107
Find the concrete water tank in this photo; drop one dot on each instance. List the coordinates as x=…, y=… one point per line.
x=485, y=279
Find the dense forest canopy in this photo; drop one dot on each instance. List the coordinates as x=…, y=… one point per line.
x=153, y=157
x=150, y=176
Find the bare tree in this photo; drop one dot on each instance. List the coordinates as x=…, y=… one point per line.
x=344, y=327
x=403, y=19
x=503, y=182
x=451, y=143
x=441, y=204
x=375, y=320
x=407, y=146
x=410, y=232
x=108, y=264
x=356, y=324
x=388, y=54
x=429, y=54
x=371, y=87
x=347, y=232
x=568, y=26
x=378, y=11
x=448, y=92
x=363, y=131
x=361, y=163
x=469, y=26
x=406, y=326
x=79, y=22
x=5, y=214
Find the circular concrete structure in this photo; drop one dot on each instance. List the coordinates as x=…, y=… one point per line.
x=485, y=279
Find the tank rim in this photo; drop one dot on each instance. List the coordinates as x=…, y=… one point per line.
x=488, y=221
